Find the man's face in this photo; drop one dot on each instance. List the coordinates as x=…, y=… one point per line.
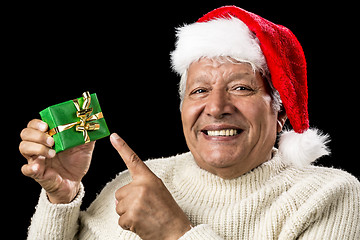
x=228, y=121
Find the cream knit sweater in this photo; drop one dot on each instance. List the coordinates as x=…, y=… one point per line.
x=273, y=201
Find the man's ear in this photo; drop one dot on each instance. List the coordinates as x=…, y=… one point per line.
x=281, y=119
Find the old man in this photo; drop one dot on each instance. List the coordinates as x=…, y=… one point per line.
x=242, y=77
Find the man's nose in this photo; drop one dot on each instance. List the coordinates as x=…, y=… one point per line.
x=218, y=104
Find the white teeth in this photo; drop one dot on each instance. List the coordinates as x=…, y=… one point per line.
x=224, y=132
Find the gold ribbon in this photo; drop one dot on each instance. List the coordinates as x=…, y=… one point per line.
x=85, y=124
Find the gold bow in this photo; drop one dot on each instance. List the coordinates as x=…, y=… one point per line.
x=85, y=124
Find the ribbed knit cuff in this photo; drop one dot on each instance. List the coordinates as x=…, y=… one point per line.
x=55, y=221
x=202, y=231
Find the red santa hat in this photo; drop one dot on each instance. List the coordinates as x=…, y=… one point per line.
x=233, y=32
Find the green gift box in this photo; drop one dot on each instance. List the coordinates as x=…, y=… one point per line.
x=75, y=122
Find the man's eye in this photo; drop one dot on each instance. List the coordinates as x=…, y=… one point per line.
x=197, y=91
x=242, y=88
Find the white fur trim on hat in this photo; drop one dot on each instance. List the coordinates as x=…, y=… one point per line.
x=301, y=149
x=228, y=37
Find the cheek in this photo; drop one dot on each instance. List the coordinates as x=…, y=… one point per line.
x=258, y=111
x=189, y=116
x=262, y=124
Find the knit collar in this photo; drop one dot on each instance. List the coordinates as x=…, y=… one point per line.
x=204, y=186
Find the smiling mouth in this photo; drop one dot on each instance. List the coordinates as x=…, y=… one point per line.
x=222, y=132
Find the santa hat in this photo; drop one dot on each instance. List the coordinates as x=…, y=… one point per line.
x=233, y=32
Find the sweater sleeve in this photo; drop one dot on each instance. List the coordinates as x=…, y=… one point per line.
x=201, y=232
x=55, y=221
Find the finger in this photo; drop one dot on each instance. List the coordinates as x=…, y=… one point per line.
x=122, y=192
x=120, y=208
x=30, y=149
x=126, y=223
x=34, y=135
x=120, y=198
x=132, y=161
x=30, y=170
x=34, y=168
x=38, y=124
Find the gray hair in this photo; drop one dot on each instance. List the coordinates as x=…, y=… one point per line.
x=274, y=94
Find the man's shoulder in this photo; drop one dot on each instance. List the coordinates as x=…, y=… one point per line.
x=165, y=165
x=324, y=182
x=332, y=176
x=161, y=167
x=317, y=196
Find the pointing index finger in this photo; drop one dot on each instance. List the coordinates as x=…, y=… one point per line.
x=132, y=161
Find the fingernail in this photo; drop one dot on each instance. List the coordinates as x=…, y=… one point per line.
x=114, y=136
x=51, y=153
x=42, y=126
x=35, y=168
x=50, y=141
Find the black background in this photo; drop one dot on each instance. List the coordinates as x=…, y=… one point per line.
x=53, y=53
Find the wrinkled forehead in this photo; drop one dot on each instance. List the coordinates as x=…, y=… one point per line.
x=212, y=70
x=220, y=65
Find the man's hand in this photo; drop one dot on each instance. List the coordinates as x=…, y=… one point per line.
x=59, y=174
x=145, y=205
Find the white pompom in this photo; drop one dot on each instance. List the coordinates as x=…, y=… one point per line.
x=301, y=149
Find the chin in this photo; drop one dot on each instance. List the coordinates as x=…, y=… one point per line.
x=219, y=159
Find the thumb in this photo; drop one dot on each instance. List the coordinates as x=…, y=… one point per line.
x=132, y=161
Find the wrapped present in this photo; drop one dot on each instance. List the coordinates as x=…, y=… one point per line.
x=75, y=122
